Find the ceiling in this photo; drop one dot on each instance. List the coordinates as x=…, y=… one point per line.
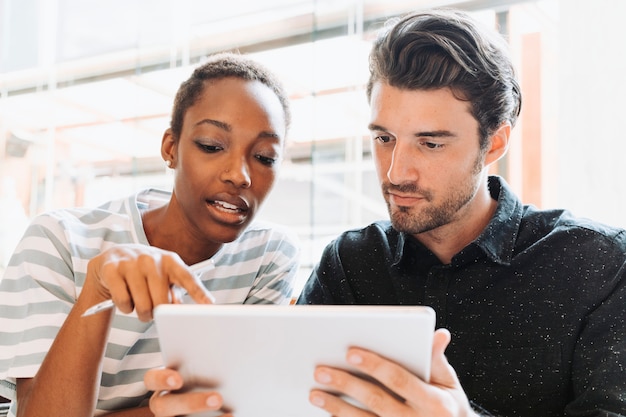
x=112, y=106
x=94, y=81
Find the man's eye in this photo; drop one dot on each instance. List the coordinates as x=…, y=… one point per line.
x=431, y=145
x=383, y=138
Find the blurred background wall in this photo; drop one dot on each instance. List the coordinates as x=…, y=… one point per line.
x=86, y=88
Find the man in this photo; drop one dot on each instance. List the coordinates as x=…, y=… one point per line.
x=534, y=300
x=529, y=303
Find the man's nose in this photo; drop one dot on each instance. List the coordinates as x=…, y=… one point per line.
x=403, y=164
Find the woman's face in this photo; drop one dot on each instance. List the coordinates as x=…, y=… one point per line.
x=227, y=157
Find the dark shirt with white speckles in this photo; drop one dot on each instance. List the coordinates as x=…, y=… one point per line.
x=536, y=304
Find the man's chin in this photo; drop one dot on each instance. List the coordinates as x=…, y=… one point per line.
x=402, y=223
x=407, y=223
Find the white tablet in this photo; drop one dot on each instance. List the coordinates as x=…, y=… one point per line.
x=261, y=358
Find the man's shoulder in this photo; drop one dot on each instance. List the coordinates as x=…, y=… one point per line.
x=557, y=222
x=377, y=234
x=381, y=229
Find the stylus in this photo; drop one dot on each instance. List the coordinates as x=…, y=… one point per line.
x=177, y=292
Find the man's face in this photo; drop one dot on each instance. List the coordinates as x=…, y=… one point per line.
x=428, y=158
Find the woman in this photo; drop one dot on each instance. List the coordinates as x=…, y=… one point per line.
x=225, y=144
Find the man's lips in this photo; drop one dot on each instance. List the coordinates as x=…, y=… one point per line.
x=404, y=199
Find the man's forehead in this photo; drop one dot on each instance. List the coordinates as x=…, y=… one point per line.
x=422, y=110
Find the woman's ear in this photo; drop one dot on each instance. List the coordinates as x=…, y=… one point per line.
x=499, y=143
x=168, y=149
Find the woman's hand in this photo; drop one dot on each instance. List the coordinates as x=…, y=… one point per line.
x=166, y=402
x=139, y=277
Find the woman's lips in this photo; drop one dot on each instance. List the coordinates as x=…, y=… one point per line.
x=227, y=212
x=227, y=207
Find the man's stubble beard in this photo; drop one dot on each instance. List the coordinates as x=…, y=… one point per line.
x=432, y=217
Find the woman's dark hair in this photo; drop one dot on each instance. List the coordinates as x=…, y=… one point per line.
x=217, y=67
x=446, y=48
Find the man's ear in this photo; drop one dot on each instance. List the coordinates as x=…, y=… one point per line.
x=499, y=143
x=168, y=148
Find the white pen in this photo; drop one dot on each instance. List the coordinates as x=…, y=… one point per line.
x=177, y=292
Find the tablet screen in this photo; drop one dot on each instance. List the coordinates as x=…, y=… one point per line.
x=261, y=358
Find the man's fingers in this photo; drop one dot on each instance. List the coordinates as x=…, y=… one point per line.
x=389, y=390
x=336, y=405
x=368, y=394
x=442, y=373
x=400, y=384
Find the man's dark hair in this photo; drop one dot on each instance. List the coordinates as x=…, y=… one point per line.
x=217, y=67
x=447, y=48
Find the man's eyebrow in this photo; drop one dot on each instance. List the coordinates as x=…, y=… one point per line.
x=428, y=133
x=436, y=134
x=373, y=127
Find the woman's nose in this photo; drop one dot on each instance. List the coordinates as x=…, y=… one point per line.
x=238, y=173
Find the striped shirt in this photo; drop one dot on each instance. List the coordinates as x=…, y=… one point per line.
x=47, y=271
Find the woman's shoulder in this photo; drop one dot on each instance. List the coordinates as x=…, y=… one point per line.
x=269, y=230
x=114, y=215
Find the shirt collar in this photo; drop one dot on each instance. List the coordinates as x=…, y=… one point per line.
x=497, y=240
x=499, y=237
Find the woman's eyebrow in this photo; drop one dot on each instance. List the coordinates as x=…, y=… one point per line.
x=216, y=123
x=269, y=134
x=228, y=128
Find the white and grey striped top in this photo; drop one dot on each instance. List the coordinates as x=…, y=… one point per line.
x=47, y=271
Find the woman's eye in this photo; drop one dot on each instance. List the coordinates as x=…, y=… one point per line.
x=266, y=160
x=209, y=148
